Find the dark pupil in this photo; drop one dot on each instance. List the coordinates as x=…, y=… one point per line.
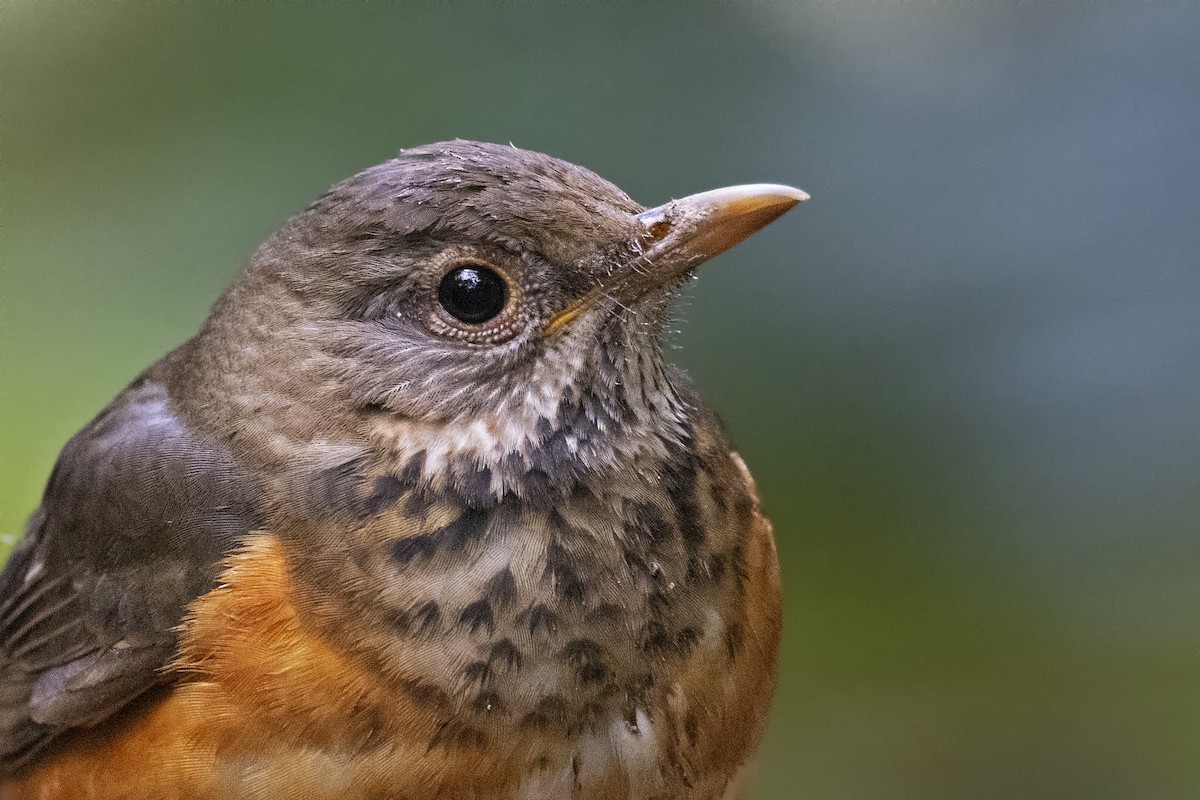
x=472, y=294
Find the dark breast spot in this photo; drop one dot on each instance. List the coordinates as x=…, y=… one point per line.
x=686, y=640
x=471, y=738
x=477, y=616
x=682, y=486
x=501, y=589
x=335, y=490
x=468, y=528
x=654, y=639
x=561, y=569
x=386, y=491
x=645, y=523
x=475, y=488
x=399, y=619
x=341, y=490
x=426, y=694
x=550, y=711
x=582, y=651
x=737, y=562
x=427, y=617
x=691, y=728
x=733, y=640
x=452, y=538
x=505, y=655
x=453, y=733
x=539, y=618
x=587, y=658
x=418, y=503
x=716, y=567
x=479, y=672
x=413, y=548
x=603, y=614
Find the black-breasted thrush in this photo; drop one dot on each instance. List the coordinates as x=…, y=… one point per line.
x=421, y=511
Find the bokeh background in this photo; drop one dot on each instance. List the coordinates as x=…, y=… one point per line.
x=966, y=374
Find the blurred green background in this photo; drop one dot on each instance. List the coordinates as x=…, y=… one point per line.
x=966, y=374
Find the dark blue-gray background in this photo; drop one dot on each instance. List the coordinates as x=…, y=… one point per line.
x=966, y=374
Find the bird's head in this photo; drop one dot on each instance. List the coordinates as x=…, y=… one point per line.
x=481, y=300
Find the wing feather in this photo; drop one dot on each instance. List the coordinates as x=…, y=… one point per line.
x=137, y=515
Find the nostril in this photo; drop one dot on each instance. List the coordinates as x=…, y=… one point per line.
x=659, y=229
x=657, y=226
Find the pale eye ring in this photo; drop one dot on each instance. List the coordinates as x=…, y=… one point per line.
x=473, y=293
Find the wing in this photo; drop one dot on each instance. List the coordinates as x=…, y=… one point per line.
x=137, y=515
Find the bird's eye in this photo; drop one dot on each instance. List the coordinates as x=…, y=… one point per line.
x=473, y=293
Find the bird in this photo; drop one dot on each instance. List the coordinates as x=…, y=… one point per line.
x=422, y=510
